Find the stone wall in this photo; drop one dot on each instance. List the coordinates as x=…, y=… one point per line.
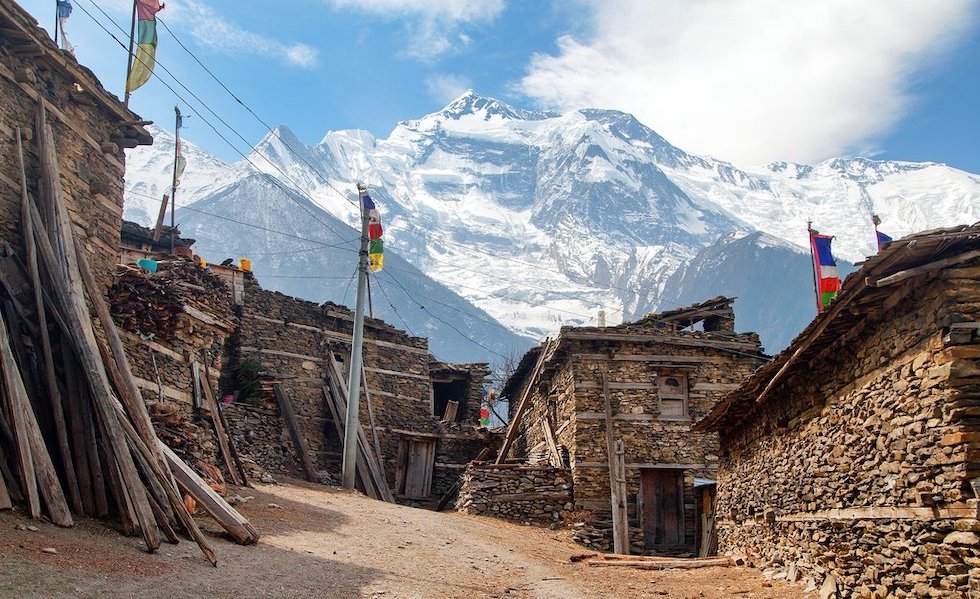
x=632, y=357
x=162, y=360
x=85, y=128
x=292, y=338
x=857, y=474
x=522, y=493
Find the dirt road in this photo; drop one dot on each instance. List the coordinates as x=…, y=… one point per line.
x=319, y=542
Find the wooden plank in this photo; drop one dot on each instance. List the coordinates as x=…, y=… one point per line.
x=46, y=356
x=680, y=563
x=617, y=478
x=375, y=469
x=635, y=465
x=522, y=404
x=902, y=275
x=397, y=373
x=299, y=444
x=237, y=460
x=26, y=424
x=160, y=216
x=673, y=359
x=669, y=339
x=211, y=406
x=69, y=293
x=549, y=437
x=196, y=385
x=374, y=429
x=333, y=394
x=238, y=527
x=5, y=502
x=451, y=408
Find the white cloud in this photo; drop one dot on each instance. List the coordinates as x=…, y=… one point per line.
x=753, y=80
x=446, y=87
x=211, y=28
x=432, y=25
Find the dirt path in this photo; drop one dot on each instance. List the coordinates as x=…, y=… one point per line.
x=319, y=542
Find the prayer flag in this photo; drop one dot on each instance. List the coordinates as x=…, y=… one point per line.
x=146, y=44
x=882, y=239
x=64, y=11
x=828, y=277
x=376, y=247
x=179, y=161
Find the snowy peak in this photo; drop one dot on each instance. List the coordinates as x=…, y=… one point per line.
x=484, y=107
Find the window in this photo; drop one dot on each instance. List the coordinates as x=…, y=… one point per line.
x=673, y=396
x=449, y=399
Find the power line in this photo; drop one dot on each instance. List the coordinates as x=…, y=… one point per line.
x=207, y=122
x=450, y=325
x=316, y=172
x=252, y=112
x=296, y=187
x=388, y=299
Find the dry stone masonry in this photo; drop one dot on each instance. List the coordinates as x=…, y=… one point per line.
x=659, y=376
x=518, y=492
x=855, y=472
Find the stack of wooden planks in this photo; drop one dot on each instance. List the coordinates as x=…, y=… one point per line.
x=75, y=436
x=369, y=469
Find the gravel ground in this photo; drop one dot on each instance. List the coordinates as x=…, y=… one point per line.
x=323, y=542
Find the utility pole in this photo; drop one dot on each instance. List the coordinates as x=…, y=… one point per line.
x=173, y=183
x=356, y=357
x=129, y=60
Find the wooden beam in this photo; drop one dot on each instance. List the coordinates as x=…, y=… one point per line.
x=211, y=406
x=299, y=444
x=617, y=479
x=523, y=403
x=902, y=275
x=238, y=527
x=549, y=437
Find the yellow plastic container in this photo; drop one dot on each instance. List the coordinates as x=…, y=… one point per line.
x=245, y=264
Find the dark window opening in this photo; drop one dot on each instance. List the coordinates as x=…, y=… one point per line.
x=445, y=393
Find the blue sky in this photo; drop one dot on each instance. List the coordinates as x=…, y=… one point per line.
x=750, y=81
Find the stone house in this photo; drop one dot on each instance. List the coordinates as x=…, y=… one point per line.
x=425, y=413
x=655, y=376
x=853, y=458
x=90, y=128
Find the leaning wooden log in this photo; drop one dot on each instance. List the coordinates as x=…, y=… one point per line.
x=66, y=285
x=166, y=478
x=47, y=359
x=5, y=503
x=234, y=524
x=211, y=406
x=299, y=444
x=664, y=564
x=26, y=424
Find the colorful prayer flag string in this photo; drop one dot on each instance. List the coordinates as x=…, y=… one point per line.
x=146, y=40
x=376, y=245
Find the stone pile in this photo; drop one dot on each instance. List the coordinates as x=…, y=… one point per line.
x=517, y=492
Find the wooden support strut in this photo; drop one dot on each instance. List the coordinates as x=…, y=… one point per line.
x=299, y=444
x=522, y=404
x=617, y=478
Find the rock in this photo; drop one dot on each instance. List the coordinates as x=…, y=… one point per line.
x=274, y=506
x=51, y=550
x=961, y=538
x=267, y=479
x=828, y=590
x=32, y=528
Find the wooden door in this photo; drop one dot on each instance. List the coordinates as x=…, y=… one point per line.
x=419, y=457
x=662, y=507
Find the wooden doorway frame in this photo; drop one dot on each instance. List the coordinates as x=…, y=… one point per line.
x=648, y=506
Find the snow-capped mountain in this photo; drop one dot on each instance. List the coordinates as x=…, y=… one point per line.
x=542, y=219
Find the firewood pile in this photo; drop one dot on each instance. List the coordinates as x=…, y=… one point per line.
x=75, y=436
x=150, y=304
x=145, y=304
